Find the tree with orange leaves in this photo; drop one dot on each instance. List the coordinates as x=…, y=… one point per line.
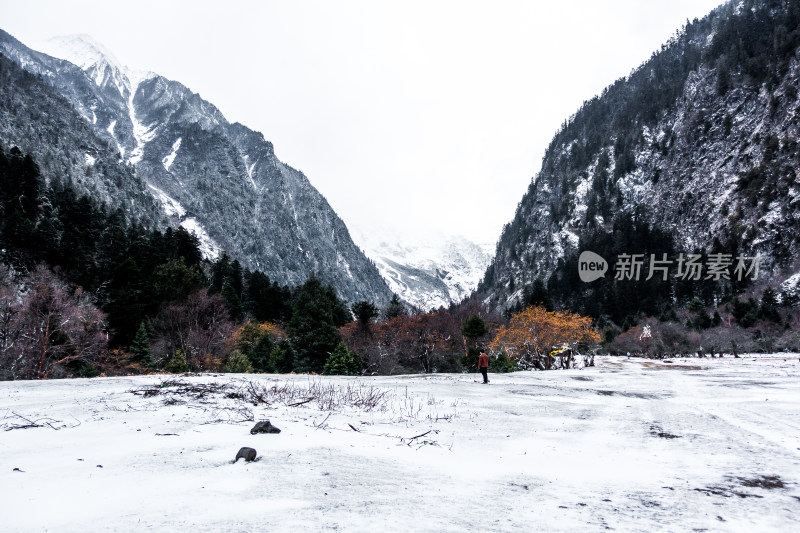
x=534, y=332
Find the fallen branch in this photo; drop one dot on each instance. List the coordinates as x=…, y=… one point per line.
x=411, y=440
x=38, y=423
x=423, y=434
x=300, y=403
x=321, y=425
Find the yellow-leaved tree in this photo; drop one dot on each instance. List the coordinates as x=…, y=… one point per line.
x=533, y=333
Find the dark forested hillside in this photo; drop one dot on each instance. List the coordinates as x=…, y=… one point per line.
x=38, y=120
x=695, y=152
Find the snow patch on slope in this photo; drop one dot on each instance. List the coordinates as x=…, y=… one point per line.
x=791, y=286
x=141, y=132
x=171, y=206
x=248, y=167
x=168, y=160
x=208, y=246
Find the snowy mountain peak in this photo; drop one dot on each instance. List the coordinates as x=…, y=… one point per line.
x=428, y=270
x=81, y=50
x=97, y=61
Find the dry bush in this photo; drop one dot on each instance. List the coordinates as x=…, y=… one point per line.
x=322, y=395
x=46, y=325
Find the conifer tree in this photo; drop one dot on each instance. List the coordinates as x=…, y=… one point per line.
x=261, y=354
x=232, y=301
x=140, y=349
x=474, y=327
x=395, y=308
x=341, y=362
x=177, y=363
x=364, y=311
x=238, y=363
x=312, y=328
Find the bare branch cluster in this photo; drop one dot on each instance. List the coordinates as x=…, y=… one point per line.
x=319, y=394
x=18, y=421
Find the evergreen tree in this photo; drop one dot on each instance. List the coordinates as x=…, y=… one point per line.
x=539, y=295
x=364, y=312
x=124, y=306
x=696, y=305
x=395, y=308
x=232, y=301
x=283, y=357
x=187, y=246
x=177, y=363
x=238, y=363
x=140, y=349
x=261, y=354
x=312, y=327
x=220, y=271
x=176, y=280
x=474, y=328
x=769, y=306
x=341, y=362
x=236, y=280
x=339, y=310
x=265, y=300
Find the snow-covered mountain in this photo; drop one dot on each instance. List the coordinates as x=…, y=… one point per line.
x=428, y=269
x=219, y=180
x=700, y=142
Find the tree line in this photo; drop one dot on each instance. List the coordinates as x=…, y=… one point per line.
x=151, y=298
x=83, y=291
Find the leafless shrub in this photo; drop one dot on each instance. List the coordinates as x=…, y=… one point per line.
x=326, y=396
x=200, y=327
x=321, y=394
x=45, y=325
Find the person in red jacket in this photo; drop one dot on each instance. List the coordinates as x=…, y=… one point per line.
x=483, y=366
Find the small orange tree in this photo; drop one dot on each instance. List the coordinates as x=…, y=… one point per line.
x=532, y=333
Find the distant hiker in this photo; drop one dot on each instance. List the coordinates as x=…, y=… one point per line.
x=483, y=366
x=629, y=355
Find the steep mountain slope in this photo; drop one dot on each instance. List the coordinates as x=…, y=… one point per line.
x=700, y=142
x=221, y=181
x=37, y=119
x=428, y=271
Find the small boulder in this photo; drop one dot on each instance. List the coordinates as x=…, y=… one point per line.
x=264, y=427
x=248, y=454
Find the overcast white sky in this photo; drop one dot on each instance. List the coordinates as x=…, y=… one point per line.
x=407, y=114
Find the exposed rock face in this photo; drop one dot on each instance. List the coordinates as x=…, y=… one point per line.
x=145, y=137
x=703, y=146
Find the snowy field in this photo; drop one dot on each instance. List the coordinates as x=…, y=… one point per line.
x=629, y=445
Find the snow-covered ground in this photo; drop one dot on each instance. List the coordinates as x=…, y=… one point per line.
x=629, y=445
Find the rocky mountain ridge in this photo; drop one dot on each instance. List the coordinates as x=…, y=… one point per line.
x=701, y=141
x=176, y=151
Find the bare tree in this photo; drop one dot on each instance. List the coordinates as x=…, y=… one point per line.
x=200, y=327
x=54, y=325
x=9, y=324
